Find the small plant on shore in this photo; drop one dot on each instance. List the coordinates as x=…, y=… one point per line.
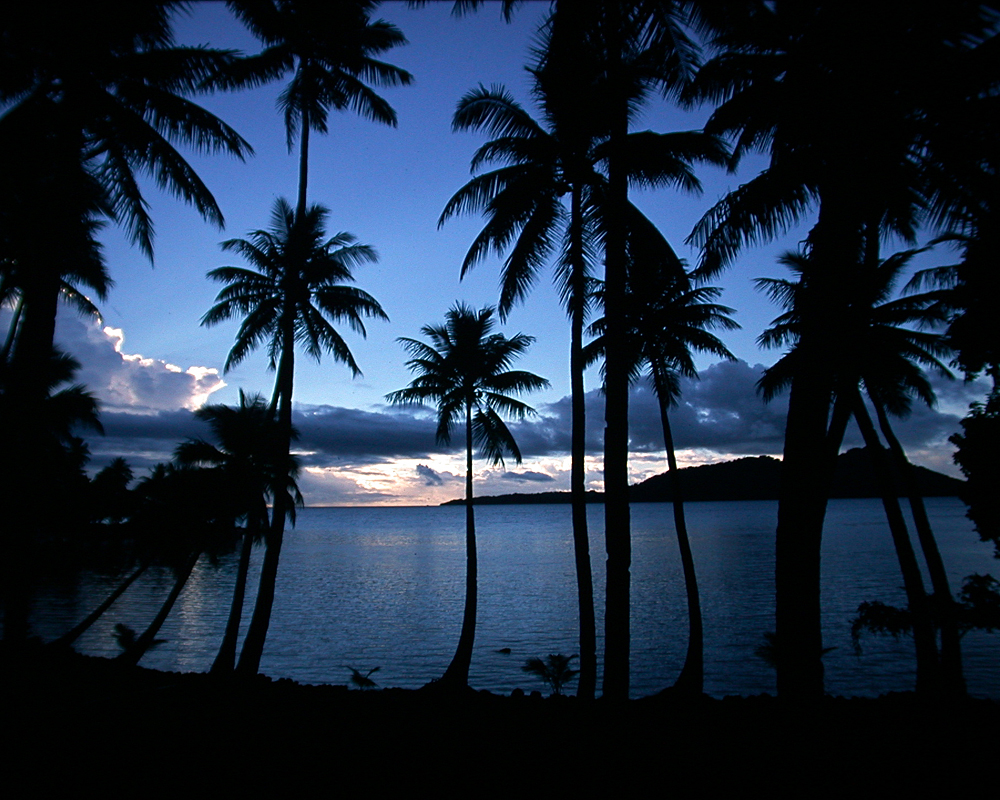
x=127, y=638
x=363, y=681
x=554, y=670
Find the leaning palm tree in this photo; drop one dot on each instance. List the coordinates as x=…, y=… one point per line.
x=296, y=287
x=781, y=78
x=669, y=316
x=331, y=50
x=877, y=350
x=465, y=371
x=245, y=455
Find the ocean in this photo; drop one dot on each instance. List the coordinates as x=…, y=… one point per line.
x=384, y=587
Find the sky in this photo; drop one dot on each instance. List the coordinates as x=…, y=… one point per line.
x=151, y=363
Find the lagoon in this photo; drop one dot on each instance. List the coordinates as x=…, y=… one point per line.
x=367, y=587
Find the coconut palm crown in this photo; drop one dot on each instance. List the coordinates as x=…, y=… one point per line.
x=296, y=285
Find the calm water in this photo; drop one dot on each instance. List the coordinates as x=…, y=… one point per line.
x=385, y=587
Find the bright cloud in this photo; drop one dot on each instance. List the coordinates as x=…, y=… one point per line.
x=131, y=382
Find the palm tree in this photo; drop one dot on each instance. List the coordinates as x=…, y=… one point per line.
x=466, y=371
x=91, y=102
x=876, y=350
x=638, y=47
x=523, y=203
x=330, y=49
x=783, y=75
x=297, y=286
x=669, y=316
x=245, y=455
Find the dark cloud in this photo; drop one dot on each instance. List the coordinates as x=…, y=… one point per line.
x=333, y=434
x=528, y=477
x=720, y=414
x=431, y=478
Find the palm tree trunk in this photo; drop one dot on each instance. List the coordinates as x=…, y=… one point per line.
x=138, y=650
x=225, y=661
x=952, y=678
x=835, y=244
x=923, y=630
x=457, y=674
x=21, y=495
x=72, y=635
x=587, y=683
x=692, y=677
x=801, y=511
x=617, y=518
x=300, y=208
x=253, y=644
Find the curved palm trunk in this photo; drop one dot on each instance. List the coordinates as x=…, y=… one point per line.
x=253, y=644
x=138, y=650
x=952, y=678
x=617, y=518
x=225, y=660
x=923, y=630
x=457, y=673
x=692, y=677
x=21, y=494
x=72, y=635
x=587, y=683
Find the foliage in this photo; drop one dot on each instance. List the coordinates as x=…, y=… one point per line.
x=466, y=369
x=363, y=681
x=554, y=671
x=298, y=279
x=978, y=608
x=978, y=456
x=128, y=639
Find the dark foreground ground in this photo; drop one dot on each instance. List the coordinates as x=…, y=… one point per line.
x=85, y=723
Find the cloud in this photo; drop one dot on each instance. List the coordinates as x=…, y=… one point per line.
x=124, y=381
x=333, y=435
x=529, y=477
x=431, y=478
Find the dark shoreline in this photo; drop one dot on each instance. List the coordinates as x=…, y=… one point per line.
x=73, y=715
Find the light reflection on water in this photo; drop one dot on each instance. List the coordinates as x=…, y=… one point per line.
x=385, y=587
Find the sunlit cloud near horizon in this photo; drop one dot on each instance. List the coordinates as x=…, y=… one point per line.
x=388, y=456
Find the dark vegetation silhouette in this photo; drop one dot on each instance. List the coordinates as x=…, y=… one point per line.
x=297, y=285
x=554, y=670
x=878, y=351
x=330, y=50
x=465, y=371
x=781, y=80
x=669, y=316
x=253, y=471
x=90, y=104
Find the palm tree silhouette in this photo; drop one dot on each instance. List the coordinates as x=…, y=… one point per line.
x=245, y=454
x=635, y=48
x=297, y=286
x=878, y=351
x=330, y=49
x=783, y=75
x=669, y=316
x=91, y=104
x=523, y=203
x=465, y=371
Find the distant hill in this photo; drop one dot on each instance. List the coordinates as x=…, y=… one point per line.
x=752, y=478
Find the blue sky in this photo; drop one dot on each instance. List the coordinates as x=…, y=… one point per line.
x=388, y=186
